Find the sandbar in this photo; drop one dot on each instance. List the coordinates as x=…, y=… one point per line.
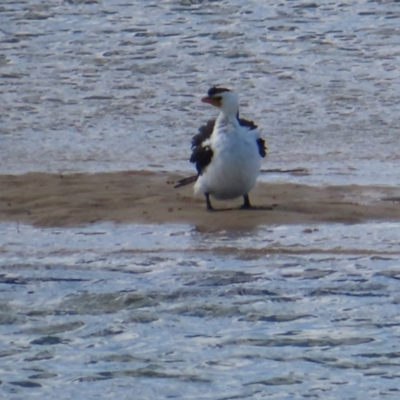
x=80, y=199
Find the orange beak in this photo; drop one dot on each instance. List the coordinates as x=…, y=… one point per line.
x=210, y=100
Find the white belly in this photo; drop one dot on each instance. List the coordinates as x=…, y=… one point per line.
x=234, y=168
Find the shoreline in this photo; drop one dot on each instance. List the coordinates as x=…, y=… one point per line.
x=78, y=199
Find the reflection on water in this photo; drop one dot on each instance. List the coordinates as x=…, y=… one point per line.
x=290, y=312
x=92, y=85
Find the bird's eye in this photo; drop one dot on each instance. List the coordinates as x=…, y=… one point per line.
x=218, y=98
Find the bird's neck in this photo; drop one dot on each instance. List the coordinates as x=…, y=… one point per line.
x=227, y=121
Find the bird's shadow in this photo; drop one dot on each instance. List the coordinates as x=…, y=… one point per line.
x=252, y=208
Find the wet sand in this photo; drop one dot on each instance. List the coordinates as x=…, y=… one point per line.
x=44, y=199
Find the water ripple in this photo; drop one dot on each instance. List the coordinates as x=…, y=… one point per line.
x=100, y=304
x=97, y=86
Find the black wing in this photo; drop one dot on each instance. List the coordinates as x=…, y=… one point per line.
x=205, y=132
x=262, y=148
x=202, y=155
x=247, y=123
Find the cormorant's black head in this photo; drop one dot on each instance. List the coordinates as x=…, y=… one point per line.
x=216, y=90
x=222, y=98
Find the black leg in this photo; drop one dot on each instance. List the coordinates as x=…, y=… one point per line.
x=208, y=202
x=246, y=205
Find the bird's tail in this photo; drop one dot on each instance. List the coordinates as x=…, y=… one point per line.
x=186, y=181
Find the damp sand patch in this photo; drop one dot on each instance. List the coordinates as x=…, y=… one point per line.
x=79, y=199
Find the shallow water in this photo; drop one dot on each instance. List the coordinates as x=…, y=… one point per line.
x=150, y=312
x=170, y=312
x=102, y=85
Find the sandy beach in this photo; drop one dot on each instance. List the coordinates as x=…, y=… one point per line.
x=44, y=199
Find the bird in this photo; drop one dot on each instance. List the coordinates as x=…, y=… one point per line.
x=226, y=151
